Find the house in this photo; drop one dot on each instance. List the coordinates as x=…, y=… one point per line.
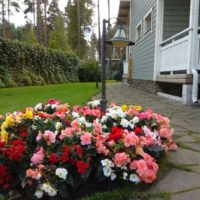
x=166, y=54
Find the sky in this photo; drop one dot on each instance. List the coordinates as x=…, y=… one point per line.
x=18, y=18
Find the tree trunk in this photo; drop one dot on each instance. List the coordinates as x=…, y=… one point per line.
x=8, y=11
x=3, y=20
x=39, y=39
x=34, y=24
x=110, y=47
x=79, y=31
x=45, y=23
x=99, y=30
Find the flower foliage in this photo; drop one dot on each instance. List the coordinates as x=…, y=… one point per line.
x=52, y=148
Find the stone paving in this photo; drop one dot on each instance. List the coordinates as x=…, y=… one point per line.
x=183, y=182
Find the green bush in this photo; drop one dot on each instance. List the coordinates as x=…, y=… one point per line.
x=87, y=71
x=33, y=64
x=2, y=85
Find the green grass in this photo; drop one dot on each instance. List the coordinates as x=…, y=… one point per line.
x=12, y=99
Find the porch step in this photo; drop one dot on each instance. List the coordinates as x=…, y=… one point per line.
x=176, y=78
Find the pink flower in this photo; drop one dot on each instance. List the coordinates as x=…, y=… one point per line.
x=39, y=136
x=86, y=139
x=50, y=137
x=132, y=112
x=38, y=156
x=97, y=127
x=165, y=132
x=68, y=132
x=148, y=176
x=172, y=147
x=133, y=164
x=131, y=140
x=52, y=101
x=75, y=124
x=121, y=159
x=141, y=166
x=112, y=104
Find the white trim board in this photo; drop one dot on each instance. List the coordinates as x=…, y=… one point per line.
x=168, y=96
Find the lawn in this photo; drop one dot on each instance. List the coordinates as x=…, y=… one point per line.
x=12, y=99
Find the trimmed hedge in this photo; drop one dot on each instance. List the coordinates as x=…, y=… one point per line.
x=88, y=71
x=25, y=64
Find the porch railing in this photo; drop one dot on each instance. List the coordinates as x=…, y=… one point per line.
x=174, y=52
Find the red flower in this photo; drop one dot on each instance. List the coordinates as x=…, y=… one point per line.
x=82, y=166
x=65, y=155
x=116, y=134
x=138, y=130
x=4, y=176
x=53, y=158
x=23, y=134
x=79, y=150
x=17, y=150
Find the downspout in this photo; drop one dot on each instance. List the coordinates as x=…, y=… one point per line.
x=195, y=86
x=193, y=47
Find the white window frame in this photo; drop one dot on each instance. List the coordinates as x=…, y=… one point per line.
x=144, y=24
x=137, y=39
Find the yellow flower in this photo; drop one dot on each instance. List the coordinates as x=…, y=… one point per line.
x=28, y=114
x=138, y=108
x=18, y=118
x=4, y=136
x=124, y=108
x=10, y=120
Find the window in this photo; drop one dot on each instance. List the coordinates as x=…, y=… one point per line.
x=138, y=31
x=148, y=22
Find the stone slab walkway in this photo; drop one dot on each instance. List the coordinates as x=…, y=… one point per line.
x=183, y=182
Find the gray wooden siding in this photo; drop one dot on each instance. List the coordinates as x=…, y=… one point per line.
x=176, y=17
x=143, y=51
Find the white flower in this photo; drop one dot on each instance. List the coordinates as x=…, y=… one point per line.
x=53, y=106
x=75, y=115
x=148, y=132
x=88, y=125
x=123, y=167
x=124, y=123
x=135, y=120
x=113, y=176
x=62, y=173
x=107, y=163
x=38, y=107
x=107, y=171
x=38, y=176
x=134, y=178
x=48, y=189
x=125, y=175
x=34, y=127
x=94, y=103
x=104, y=119
x=56, y=132
x=58, y=125
x=81, y=120
x=39, y=194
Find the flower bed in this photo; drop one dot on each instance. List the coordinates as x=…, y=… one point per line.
x=52, y=149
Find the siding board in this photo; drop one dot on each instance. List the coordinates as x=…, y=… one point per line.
x=143, y=51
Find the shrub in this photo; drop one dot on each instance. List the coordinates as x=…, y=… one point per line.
x=2, y=85
x=88, y=72
x=41, y=65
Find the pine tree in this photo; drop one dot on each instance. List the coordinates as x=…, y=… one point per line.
x=30, y=8
x=57, y=37
x=53, y=12
x=76, y=29
x=28, y=34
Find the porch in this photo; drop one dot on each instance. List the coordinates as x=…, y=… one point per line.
x=177, y=48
